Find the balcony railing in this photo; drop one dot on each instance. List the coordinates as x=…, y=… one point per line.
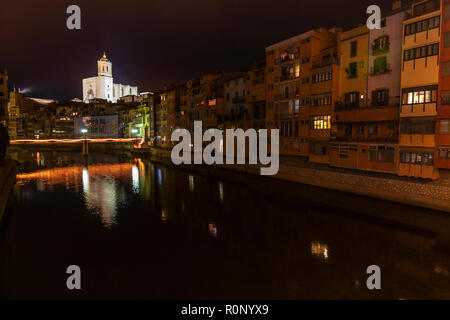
x=288, y=77
x=377, y=72
x=287, y=58
x=325, y=62
x=390, y=139
x=343, y=106
x=285, y=96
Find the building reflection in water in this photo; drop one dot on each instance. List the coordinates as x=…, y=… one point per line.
x=100, y=185
x=191, y=183
x=221, y=192
x=164, y=215
x=319, y=250
x=212, y=229
x=135, y=178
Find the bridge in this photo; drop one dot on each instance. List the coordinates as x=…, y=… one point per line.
x=52, y=141
x=106, y=144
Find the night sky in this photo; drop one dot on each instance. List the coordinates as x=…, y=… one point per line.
x=154, y=42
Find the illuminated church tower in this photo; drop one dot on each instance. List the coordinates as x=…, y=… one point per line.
x=103, y=87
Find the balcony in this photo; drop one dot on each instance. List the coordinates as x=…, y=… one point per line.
x=352, y=113
x=389, y=139
x=380, y=71
x=289, y=57
x=286, y=96
x=345, y=106
x=419, y=110
x=287, y=77
x=325, y=62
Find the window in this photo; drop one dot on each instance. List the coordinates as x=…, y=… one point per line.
x=373, y=129
x=423, y=25
x=444, y=126
x=445, y=97
x=447, y=11
x=353, y=49
x=446, y=69
x=322, y=76
x=352, y=99
x=380, y=45
x=352, y=71
x=321, y=122
x=421, y=52
x=305, y=60
x=420, y=95
x=319, y=100
x=380, y=98
x=447, y=38
x=360, y=129
x=416, y=158
x=380, y=65
x=381, y=154
x=444, y=153
x=417, y=126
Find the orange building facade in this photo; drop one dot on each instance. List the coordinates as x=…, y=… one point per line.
x=420, y=78
x=443, y=114
x=301, y=82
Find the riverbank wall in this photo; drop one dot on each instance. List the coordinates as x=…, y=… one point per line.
x=433, y=195
x=8, y=172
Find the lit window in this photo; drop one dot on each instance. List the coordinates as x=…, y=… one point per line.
x=321, y=122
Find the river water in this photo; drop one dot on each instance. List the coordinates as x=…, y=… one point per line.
x=139, y=230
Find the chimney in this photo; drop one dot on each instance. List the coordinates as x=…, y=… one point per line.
x=397, y=4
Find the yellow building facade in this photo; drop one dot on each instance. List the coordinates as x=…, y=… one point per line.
x=419, y=83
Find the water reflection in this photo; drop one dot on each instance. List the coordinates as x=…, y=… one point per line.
x=191, y=183
x=270, y=242
x=319, y=250
x=212, y=229
x=221, y=192
x=99, y=184
x=135, y=178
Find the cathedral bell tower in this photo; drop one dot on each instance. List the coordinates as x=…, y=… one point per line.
x=104, y=67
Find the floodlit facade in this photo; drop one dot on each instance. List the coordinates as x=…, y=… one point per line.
x=419, y=83
x=102, y=86
x=296, y=105
x=367, y=116
x=443, y=112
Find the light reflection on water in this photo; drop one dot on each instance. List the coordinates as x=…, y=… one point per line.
x=296, y=248
x=98, y=184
